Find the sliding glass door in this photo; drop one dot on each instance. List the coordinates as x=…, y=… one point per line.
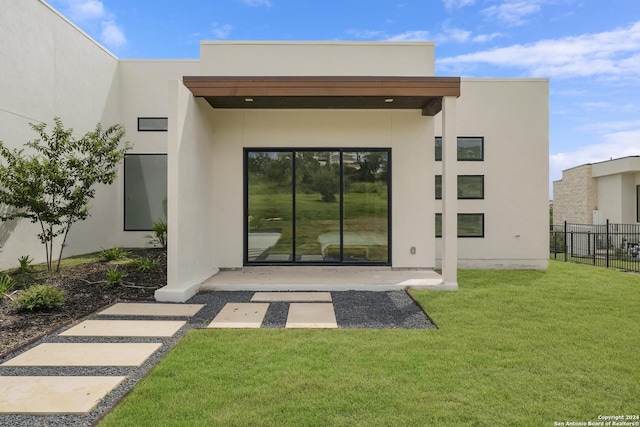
x=317, y=206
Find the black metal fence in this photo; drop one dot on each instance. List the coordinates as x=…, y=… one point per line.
x=609, y=245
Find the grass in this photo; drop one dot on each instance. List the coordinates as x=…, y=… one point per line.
x=520, y=348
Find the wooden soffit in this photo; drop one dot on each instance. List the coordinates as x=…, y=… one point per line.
x=421, y=93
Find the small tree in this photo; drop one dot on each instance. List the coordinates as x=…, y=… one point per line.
x=53, y=183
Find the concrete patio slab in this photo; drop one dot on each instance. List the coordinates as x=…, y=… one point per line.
x=311, y=315
x=125, y=328
x=60, y=395
x=142, y=309
x=292, y=296
x=85, y=354
x=240, y=315
x=321, y=278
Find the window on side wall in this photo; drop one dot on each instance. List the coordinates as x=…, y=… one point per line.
x=145, y=190
x=470, y=148
x=153, y=124
x=469, y=225
x=637, y=203
x=469, y=187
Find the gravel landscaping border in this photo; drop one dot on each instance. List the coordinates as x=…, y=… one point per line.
x=353, y=309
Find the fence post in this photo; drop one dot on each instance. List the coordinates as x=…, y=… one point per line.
x=564, y=241
x=608, y=243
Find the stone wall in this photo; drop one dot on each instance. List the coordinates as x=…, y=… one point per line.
x=575, y=196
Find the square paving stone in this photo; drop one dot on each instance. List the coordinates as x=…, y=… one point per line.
x=240, y=315
x=142, y=309
x=292, y=296
x=47, y=395
x=125, y=328
x=311, y=315
x=85, y=354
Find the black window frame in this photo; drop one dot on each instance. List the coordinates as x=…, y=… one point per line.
x=637, y=203
x=481, y=197
x=438, y=143
x=153, y=130
x=458, y=231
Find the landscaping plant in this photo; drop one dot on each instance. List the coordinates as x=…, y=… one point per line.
x=25, y=264
x=52, y=180
x=159, y=236
x=113, y=254
x=40, y=297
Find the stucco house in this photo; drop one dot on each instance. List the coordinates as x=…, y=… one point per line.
x=596, y=192
x=288, y=153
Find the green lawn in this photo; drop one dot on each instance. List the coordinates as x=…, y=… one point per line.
x=522, y=348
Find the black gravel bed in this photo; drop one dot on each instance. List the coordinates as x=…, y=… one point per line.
x=353, y=309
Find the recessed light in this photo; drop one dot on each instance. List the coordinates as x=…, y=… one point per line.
x=248, y=100
x=388, y=100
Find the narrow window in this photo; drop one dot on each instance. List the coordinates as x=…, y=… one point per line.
x=469, y=225
x=153, y=124
x=637, y=203
x=469, y=187
x=145, y=190
x=470, y=148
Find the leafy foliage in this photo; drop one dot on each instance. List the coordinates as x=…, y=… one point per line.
x=159, y=236
x=52, y=183
x=6, y=284
x=113, y=254
x=40, y=297
x=25, y=264
x=146, y=264
x=114, y=276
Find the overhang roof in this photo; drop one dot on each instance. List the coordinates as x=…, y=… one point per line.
x=421, y=93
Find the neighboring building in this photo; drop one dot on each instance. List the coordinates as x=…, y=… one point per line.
x=235, y=148
x=596, y=192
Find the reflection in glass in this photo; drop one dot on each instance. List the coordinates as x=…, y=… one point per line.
x=365, y=210
x=270, y=207
x=317, y=202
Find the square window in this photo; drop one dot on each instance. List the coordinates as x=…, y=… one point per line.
x=469, y=225
x=145, y=190
x=153, y=124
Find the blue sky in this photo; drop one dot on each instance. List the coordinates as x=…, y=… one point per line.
x=590, y=49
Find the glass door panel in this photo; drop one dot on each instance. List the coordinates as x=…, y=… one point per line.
x=317, y=206
x=365, y=206
x=270, y=206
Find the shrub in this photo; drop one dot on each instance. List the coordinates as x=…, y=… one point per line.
x=6, y=284
x=40, y=297
x=146, y=264
x=114, y=276
x=159, y=236
x=113, y=254
x=25, y=264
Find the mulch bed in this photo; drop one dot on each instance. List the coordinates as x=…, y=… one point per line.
x=85, y=293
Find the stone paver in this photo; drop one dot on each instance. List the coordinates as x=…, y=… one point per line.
x=240, y=315
x=47, y=395
x=311, y=315
x=85, y=354
x=292, y=296
x=142, y=309
x=125, y=328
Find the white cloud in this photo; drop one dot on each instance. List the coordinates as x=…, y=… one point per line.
x=407, y=36
x=84, y=10
x=220, y=31
x=93, y=14
x=112, y=35
x=256, y=3
x=613, y=126
x=613, y=145
x=483, y=38
x=612, y=53
x=450, y=4
x=513, y=12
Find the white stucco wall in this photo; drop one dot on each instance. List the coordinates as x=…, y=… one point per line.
x=286, y=58
x=51, y=68
x=512, y=116
x=407, y=133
